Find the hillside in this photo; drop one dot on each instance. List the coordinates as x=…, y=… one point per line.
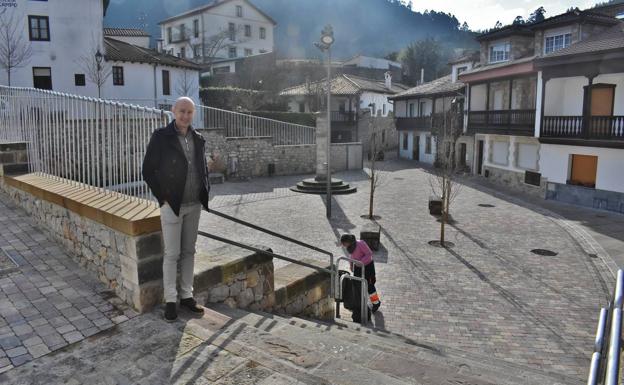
x=371, y=27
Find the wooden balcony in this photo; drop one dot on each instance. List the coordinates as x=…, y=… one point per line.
x=602, y=131
x=414, y=123
x=510, y=122
x=342, y=116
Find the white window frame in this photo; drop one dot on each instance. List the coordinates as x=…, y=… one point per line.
x=499, y=52
x=232, y=52
x=558, y=41
x=239, y=11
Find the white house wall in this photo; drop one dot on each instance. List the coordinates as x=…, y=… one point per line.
x=555, y=163
x=408, y=153
x=379, y=99
x=510, y=153
x=564, y=96
x=75, y=31
x=618, y=80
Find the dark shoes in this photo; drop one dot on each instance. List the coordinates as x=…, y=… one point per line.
x=376, y=306
x=171, y=314
x=191, y=305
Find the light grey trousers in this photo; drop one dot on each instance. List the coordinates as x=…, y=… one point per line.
x=179, y=235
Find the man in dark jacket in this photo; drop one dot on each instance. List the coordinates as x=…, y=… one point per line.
x=175, y=170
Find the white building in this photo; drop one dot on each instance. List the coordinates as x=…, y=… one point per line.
x=220, y=30
x=362, y=61
x=59, y=33
x=351, y=97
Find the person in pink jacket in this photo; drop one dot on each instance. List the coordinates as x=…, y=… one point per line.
x=360, y=251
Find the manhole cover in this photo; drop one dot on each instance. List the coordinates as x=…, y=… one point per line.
x=486, y=205
x=544, y=252
x=7, y=264
x=437, y=243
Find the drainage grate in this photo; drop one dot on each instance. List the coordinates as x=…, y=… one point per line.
x=486, y=205
x=7, y=264
x=544, y=252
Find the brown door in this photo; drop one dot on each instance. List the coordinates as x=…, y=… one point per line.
x=602, y=97
x=583, y=171
x=416, y=147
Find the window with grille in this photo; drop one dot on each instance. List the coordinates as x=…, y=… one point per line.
x=557, y=42
x=118, y=76
x=39, y=28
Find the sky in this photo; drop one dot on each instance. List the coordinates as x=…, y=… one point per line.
x=482, y=14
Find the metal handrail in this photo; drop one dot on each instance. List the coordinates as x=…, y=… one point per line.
x=363, y=294
x=333, y=270
x=605, y=361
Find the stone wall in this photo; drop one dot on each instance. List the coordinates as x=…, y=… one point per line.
x=13, y=158
x=299, y=159
x=250, y=156
x=515, y=181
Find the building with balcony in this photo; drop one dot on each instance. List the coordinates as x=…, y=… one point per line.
x=353, y=97
x=504, y=93
x=581, y=131
x=219, y=34
x=422, y=111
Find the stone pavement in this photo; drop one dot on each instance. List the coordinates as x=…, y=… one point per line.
x=489, y=294
x=46, y=301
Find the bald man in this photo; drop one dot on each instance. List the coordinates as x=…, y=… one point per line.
x=175, y=170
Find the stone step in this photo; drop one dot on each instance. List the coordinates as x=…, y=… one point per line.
x=287, y=357
x=467, y=365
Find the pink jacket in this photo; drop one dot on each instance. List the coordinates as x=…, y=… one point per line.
x=362, y=253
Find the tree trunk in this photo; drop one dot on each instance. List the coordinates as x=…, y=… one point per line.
x=372, y=195
x=9, y=76
x=443, y=217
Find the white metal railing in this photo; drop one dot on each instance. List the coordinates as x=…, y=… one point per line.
x=237, y=124
x=93, y=142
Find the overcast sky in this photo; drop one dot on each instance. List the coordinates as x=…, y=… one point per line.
x=481, y=14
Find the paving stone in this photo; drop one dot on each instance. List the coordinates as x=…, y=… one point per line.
x=35, y=340
x=9, y=342
x=18, y=351
x=72, y=337
x=19, y=360
x=39, y=350
x=66, y=328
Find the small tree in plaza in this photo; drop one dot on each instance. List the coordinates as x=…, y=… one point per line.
x=376, y=176
x=443, y=181
x=97, y=70
x=15, y=50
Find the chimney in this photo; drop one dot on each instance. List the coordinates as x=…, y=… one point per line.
x=159, y=45
x=422, y=75
x=388, y=79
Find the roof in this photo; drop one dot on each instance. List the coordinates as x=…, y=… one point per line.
x=587, y=16
x=509, y=30
x=498, y=65
x=116, y=50
x=610, y=40
x=346, y=85
x=213, y=4
x=465, y=57
x=126, y=32
x=440, y=86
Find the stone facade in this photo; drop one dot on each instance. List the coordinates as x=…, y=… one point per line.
x=13, y=158
x=515, y=181
x=386, y=135
x=298, y=159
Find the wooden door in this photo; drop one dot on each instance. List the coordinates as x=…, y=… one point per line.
x=602, y=98
x=584, y=169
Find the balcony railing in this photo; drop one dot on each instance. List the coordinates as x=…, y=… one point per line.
x=342, y=116
x=179, y=37
x=414, y=123
x=595, y=127
x=501, y=119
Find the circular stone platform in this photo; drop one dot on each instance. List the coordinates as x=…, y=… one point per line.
x=313, y=186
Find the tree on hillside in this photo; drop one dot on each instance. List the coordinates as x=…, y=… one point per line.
x=536, y=16
x=427, y=54
x=15, y=51
x=519, y=20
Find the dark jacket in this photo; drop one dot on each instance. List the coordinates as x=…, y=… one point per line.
x=165, y=167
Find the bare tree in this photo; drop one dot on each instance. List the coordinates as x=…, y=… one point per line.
x=186, y=84
x=15, y=50
x=376, y=176
x=96, y=69
x=447, y=127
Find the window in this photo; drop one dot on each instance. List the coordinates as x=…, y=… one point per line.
x=248, y=52
x=557, y=42
x=183, y=52
x=232, y=52
x=118, y=76
x=195, y=28
x=583, y=170
x=500, y=153
x=247, y=30
x=182, y=32
x=383, y=136
x=39, y=28
x=239, y=11
x=42, y=78
x=165, y=83
x=301, y=107
x=373, y=112
x=262, y=33
x=428, y=144
x=499, y=52
x=421, y=108
x=411, y=110
x=79, y=80
x=197, y=51
x=232, y=31
x=461, y=69
x=405, y=141
x=383, y=107
x=169, y=35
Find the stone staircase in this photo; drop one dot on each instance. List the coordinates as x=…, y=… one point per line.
x=289, y=350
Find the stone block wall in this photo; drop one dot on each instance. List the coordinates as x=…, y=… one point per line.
x=515, y=181
x=308, y=297
x=251, y=156
x=298, y=159
x=13, y=158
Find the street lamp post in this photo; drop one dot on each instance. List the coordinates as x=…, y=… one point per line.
x=327, y=39
x=98, y=62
